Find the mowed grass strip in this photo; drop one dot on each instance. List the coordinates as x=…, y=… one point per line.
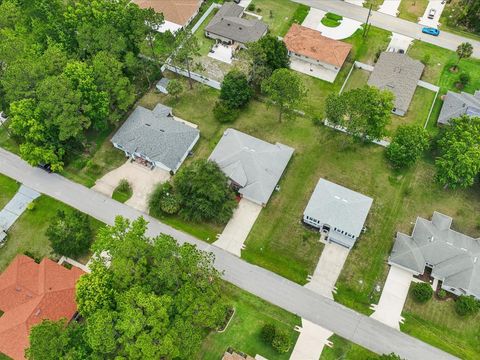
x=244, y=331
x=8, y=188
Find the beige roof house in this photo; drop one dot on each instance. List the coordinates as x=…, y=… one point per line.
x=312, y=44
x=175, y=12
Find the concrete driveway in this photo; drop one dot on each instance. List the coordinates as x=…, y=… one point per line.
x=399, y=42
x=390, y=7
x=310, y=343
x=141, y=179
x=389, y=308
x=328, y=269
x=438, y=6
x=346, y=28
x=239, y=226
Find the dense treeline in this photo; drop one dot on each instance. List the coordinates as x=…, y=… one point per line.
x=69, y=66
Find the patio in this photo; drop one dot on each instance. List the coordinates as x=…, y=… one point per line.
x=222, y=53
x=310, y=69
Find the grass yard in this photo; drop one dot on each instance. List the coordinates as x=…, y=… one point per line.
x=8, y=188
x=28, y=233
x=122, y=192
x=358, y=78
x=437, y=324
x=6, y=141
x=99, y=158
x=411, y=10
x=243, y=332
x=448, y=25
x=279, y=14
x=205, y=43
x=366, y=49
x=417, y=112
x=439, y=61
x=331, y=20
x=344, y=349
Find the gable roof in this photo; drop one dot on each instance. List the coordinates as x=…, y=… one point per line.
x=339, y=207
x=175, y=11
x=29, y=293
x=311, y=43
x=455, y=257
x=255, y=165
x=228, y=23
x=399, y=74
x=157, y=135
x=458, y=104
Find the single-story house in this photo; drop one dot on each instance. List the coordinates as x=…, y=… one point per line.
x=253, y=166
x=399, y=74
x=315, y=52
x=162, y=85
x=338, y=212
x=228, y=26
x=458, y=104
x=30, y=293
x=177, y=13
x=156, y=138
x=451, y=257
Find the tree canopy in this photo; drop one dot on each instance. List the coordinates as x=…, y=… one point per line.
x=67, y=67
x=285, y=89
x=235, y=91
x=156, y=300
x=364, y=112
x=408, y=144
x=458, y=163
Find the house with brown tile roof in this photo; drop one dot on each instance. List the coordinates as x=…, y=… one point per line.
x=29, y=293
x=314, y=51
x=177, y=13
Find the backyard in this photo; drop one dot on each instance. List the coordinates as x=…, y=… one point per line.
x=243, y=332
x=28, y=232
x=437, y=323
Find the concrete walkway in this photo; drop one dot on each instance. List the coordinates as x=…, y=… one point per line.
x=16, y=206
x=346, y=28
x=438, y=6
x=390, y=7
x=395, y=292
x=239, y=226
x=141, y=179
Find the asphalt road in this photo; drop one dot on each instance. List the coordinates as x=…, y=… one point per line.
x=286, y=294
x=445, y=39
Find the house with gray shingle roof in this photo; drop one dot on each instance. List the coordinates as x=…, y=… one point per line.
x=229, y=27
x=156, y=137
x=453, y=258
x=399, y=74
x=339, y=213
x=458, y=104
x=253, y=166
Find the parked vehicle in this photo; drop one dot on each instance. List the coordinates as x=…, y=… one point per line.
x=431, y=31
x=431, y=13
x=45, y=167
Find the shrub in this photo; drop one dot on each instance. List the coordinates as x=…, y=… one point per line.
x=268, y=333
x=174, y=88
x=170, y=204
x=464, y=78
x=466, y=305
x=31, y=206
x=164, y=200
x=422, y=292
x=333, y=16
x=251, y=7
x=426, y=59
x=223, y=113
x=124, y=186
x=281, y=342
x=442, y=294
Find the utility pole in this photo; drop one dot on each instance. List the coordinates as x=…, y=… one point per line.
x=365, y=30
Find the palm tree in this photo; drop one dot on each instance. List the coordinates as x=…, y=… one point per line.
x=464, y=50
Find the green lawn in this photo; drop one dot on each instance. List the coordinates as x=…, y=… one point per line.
x=121, y=195
x=437, y=323
x=357, y=79
x=344, y=349
x=447, y=25
x=8, y=189
x=438, y=63
x=205, y=43
x=278, y=14
x=28, y=233
x=331, y=20
x=411, y=10
x=243, y=332
x=366, y=49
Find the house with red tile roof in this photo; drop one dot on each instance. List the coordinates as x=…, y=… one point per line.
x=314, y=54
x=29, y=293
x=177, y=13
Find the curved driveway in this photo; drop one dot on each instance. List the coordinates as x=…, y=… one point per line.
x=286, y=294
